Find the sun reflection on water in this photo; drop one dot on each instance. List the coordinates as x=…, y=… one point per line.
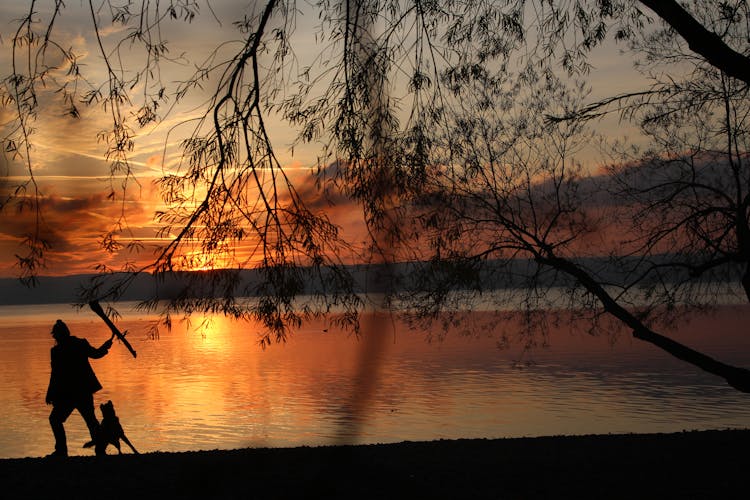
x=209, y=384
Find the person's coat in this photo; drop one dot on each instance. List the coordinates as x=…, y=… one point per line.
x=72, y=376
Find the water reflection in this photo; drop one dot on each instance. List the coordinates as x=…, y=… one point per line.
x=211, y=385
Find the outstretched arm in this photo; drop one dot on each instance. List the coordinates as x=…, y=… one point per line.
x=101, y=351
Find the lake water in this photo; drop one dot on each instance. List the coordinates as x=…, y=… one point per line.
x=216, y=388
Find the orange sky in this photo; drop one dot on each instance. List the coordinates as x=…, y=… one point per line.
x=72, y=174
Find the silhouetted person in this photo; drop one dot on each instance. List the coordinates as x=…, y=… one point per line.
x=72, y=384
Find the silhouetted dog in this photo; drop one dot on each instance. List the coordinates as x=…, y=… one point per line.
x=110, y=430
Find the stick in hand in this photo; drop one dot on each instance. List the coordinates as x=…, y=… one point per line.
x=94, y=305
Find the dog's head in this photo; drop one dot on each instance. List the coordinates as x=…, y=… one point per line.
x=108, y=409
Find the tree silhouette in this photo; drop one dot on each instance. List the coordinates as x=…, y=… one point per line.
x=459, y=116
x=674, y=217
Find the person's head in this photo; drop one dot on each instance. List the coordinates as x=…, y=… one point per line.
x=60, y=331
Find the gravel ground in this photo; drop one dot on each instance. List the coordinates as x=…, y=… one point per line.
x=707, y=464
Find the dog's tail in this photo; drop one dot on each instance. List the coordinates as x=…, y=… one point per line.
x=89, y=444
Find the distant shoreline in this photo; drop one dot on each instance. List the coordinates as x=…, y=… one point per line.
x=65, y=289
x=697, y=464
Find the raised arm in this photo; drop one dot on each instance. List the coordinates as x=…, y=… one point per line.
x=101, y=351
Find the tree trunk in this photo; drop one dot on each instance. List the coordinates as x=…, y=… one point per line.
x=739, y=378
x=700, y=40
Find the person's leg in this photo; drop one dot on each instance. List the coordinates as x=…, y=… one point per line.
x=86, y=408
x=60, y=413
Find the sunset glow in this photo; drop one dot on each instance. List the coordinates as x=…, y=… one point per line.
x=81, y=202
x=374, y=249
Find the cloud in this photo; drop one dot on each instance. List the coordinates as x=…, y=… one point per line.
x=322, y=195
x=59, y=219
x=71, y=225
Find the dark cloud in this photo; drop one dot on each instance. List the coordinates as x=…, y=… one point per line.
x=57, y=220
x=324, y=194
x=71, y=226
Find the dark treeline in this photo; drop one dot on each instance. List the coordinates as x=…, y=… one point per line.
x=471, y=275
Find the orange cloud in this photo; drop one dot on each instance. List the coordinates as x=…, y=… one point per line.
x=72, y=226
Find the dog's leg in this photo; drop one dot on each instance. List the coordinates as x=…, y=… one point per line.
x=127, y=441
